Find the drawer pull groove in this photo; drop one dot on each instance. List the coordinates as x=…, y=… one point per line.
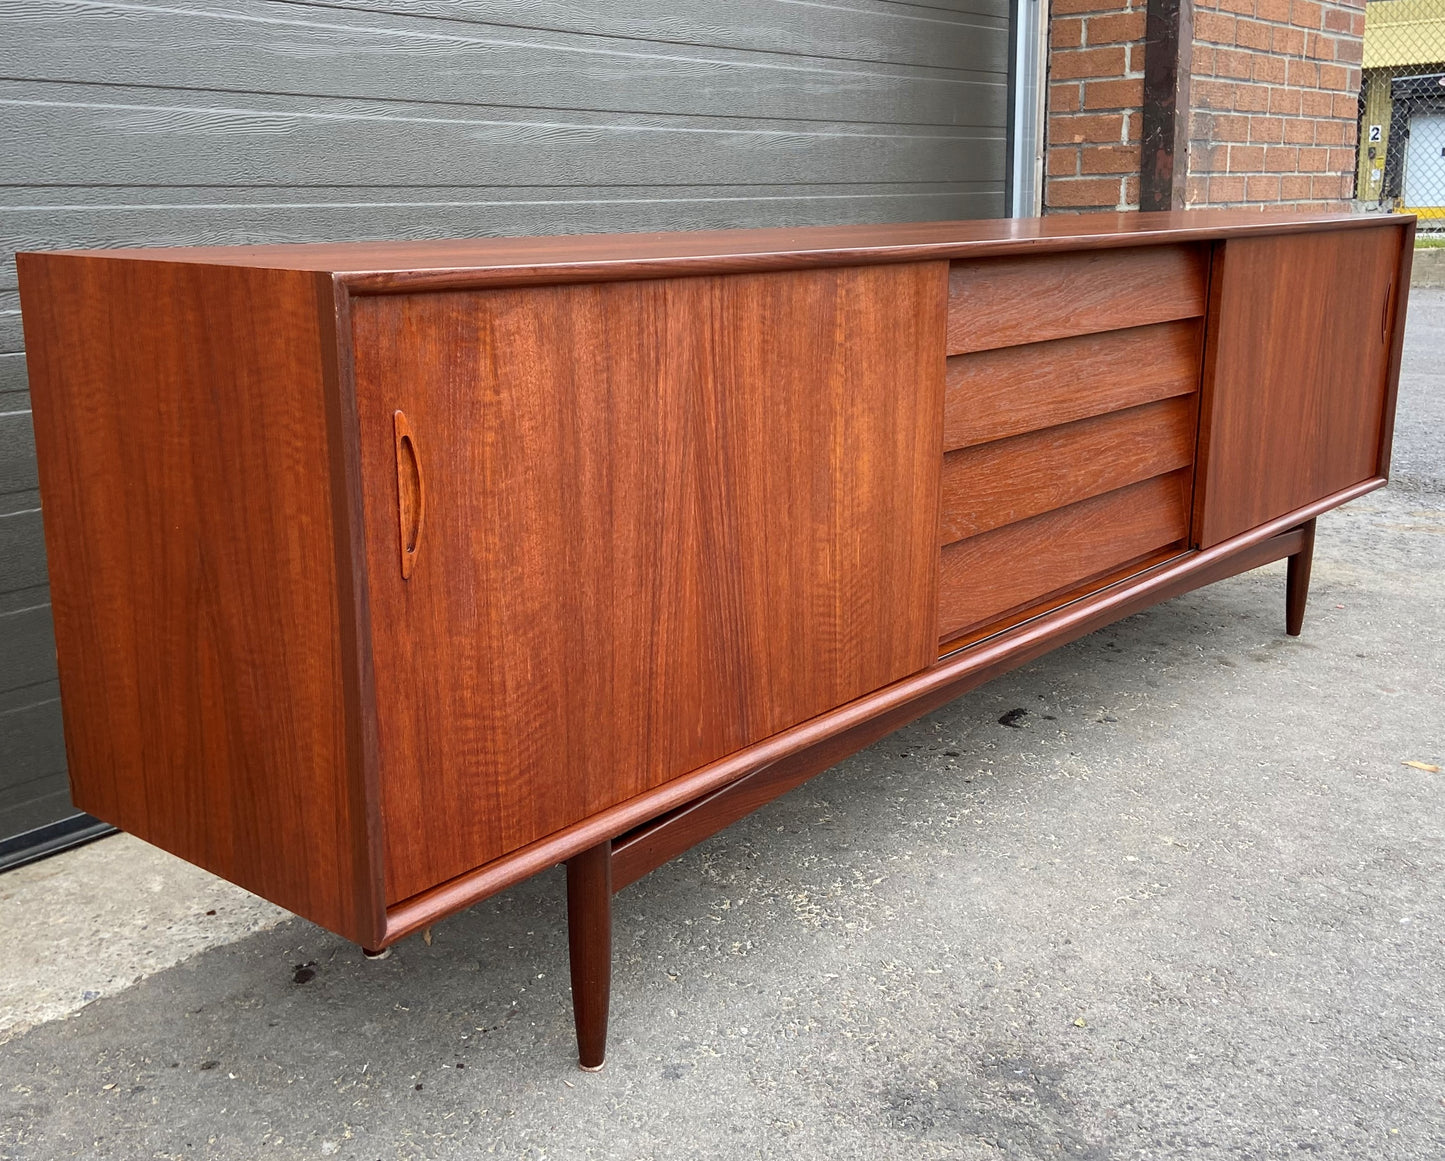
x=410, y=494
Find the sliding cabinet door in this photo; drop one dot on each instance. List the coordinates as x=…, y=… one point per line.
x=617, y=531
x=1297, y=385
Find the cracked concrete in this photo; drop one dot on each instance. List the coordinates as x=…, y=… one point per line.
x=1169, y=892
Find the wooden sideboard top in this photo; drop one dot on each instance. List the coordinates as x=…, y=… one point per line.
x=382, y=267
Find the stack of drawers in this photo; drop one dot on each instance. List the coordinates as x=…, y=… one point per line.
x=1070, y=423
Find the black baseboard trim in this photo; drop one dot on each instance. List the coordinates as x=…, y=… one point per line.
x=51, y=839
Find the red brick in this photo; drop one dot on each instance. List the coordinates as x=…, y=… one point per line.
x=1351, y=51
x=1241, y=7
x=1085, y=191
x=1305, y=14
x=1313, y=160
x=1117, y=28
x=1275, y=10
x=1246, y=158
x=1196, y=191
x=1286, y=101
x=1226, y=189
x=1109, y=159
x=1337, y=19
x=1304, y=74
x=1075, y=7
x=1319, y=47
x=1064, y=98
x=1207, y=94
x=1209, y=159
x=1352, y=132
x=1346, y=105
x=1066, y=33
x=1203, y=62
x=1214, y=26
x=1281, y=159
x=1251, y=98
x=1252, y=34
x=1333, y=77
x=1342, y=159
x=1315, y=104
x=1332, y=185
x=1261, y=188
x=1269, y=130
x=1294, y=187
x=1231, y=127
x=1131, y=192
x=1087, y=62
x=1298, y=131
x=1268, y=68
x=1230, y=62
x=1330, y=132
x=1119, y=94
x=1091, y=127
x=1063, y=162
x=1290, y=41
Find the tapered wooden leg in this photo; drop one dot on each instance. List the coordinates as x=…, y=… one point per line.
x=589, y=940
x=1297, y=586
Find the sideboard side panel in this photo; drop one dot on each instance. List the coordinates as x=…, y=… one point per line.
x=663, y=520
x=1296, y=388
x=181, y=415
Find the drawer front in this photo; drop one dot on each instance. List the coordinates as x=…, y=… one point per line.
x=1004, y=302
x=1003, y=392
x=987, y=578
x=1008, y=480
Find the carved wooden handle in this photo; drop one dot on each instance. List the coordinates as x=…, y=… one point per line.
x=410, y=494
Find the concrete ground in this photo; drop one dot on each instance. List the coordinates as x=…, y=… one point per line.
x=1191, y=904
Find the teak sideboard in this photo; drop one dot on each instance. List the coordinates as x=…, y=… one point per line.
x=387, y=575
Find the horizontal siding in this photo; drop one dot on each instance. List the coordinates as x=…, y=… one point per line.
x=155, y=137
x=876, y=30
x=14, y=383
x=237, y=121
x=29, y=644
x=17, y=447
x=278, y=48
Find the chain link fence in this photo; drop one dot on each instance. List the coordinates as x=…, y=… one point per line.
x=1401, y=164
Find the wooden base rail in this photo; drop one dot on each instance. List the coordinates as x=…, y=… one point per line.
x=597, y=872
x=950, y=678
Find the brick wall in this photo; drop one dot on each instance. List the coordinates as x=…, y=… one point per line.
x=1274, y=101
x=1275, y=96
x=1095, y=97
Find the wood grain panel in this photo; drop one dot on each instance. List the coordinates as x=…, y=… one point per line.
x=1012, y=479
x=984, y=577
x=1295, y=383
x=1071, y=294
x=663, y=520
x=1010, y=390
x=181, y=421
x=394, y=266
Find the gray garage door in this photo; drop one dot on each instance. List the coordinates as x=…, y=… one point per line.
x=198, y=121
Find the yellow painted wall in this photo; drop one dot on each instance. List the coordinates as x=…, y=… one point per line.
x=1370, y=171
x=1404, y=32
